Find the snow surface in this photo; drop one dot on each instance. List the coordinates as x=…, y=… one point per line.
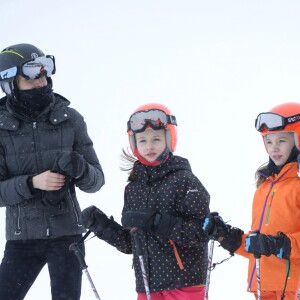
x=216, y=64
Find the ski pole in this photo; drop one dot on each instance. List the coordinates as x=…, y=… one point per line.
x=210, y=257
x=257, y=266
x=133, y=232
x=83, y=265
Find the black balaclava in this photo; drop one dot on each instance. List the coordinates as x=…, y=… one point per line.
x=30, y=104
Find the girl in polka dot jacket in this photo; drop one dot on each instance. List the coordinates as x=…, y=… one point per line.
x=164, y=206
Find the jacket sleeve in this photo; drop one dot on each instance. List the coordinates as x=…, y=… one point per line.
x=12, y=190
x=93, y=178
x=242, y=250
x=295, y=245
x=193, y=208
x=117, y=236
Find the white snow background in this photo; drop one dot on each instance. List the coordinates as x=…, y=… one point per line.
x=216, y=64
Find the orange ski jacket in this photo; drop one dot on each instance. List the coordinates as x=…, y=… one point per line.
x=276, y=208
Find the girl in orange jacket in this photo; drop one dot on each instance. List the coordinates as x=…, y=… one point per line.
x=275, y=231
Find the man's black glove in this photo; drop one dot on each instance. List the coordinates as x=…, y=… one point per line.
x=261, y=244
x=215, y=228
x=94, y=219
x=70, y=163
x=149, y=220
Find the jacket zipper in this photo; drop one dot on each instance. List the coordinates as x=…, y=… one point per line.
x=74, y=208
x=36, y=143
x=18, y=231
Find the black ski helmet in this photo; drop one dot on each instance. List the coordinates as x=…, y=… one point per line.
x=12, y=59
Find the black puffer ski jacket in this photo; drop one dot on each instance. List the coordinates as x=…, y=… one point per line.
x=30, y=148
x=170, y=188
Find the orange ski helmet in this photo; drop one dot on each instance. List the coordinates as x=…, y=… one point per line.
x=155, y=116
x=281, y=118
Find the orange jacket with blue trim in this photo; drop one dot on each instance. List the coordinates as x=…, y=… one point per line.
x=276, y=208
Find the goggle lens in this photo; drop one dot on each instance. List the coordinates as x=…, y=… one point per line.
x=269, y=120
x=157, y=119
x=33, y=69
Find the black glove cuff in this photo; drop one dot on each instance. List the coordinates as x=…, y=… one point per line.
x=233, y=240
x=109, y=231
x=283, y=246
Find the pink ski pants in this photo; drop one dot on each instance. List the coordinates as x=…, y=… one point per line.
x=188, y=293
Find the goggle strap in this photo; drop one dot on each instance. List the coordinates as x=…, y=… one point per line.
x=171, y=120
x=292, y=119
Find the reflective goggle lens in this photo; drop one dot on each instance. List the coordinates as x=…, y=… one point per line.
x=44, y=65
x=269, y=120
x=156, y=118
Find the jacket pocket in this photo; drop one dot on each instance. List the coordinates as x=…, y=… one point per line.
x=177, y=256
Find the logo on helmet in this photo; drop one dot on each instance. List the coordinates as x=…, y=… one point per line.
x=34, y=55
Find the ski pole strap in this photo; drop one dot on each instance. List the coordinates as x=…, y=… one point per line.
x=79, y=255
x=213, y=265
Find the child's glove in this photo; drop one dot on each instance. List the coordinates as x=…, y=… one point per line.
x=216, y=229
x=71, y=163
x=149, y=220
x=214, y=226
x=261, y=244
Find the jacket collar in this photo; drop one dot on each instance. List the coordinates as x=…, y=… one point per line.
x=150, y=174
x=288, y=171
x=58, y=114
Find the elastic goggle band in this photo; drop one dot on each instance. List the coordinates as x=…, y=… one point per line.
x=156, y=118
x=32, y=69
x=274, y=121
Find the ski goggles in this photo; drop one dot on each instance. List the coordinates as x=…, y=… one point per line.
x=274, y=121
x=155, y=118
x=31, y=69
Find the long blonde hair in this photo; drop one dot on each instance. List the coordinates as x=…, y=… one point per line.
x=259, y=179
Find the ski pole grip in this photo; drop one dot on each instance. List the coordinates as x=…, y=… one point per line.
x=79, y=255
x=137, y=242
x=254, y=233
x=84, y=237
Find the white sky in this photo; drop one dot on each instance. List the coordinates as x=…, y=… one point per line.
x=216, y=64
